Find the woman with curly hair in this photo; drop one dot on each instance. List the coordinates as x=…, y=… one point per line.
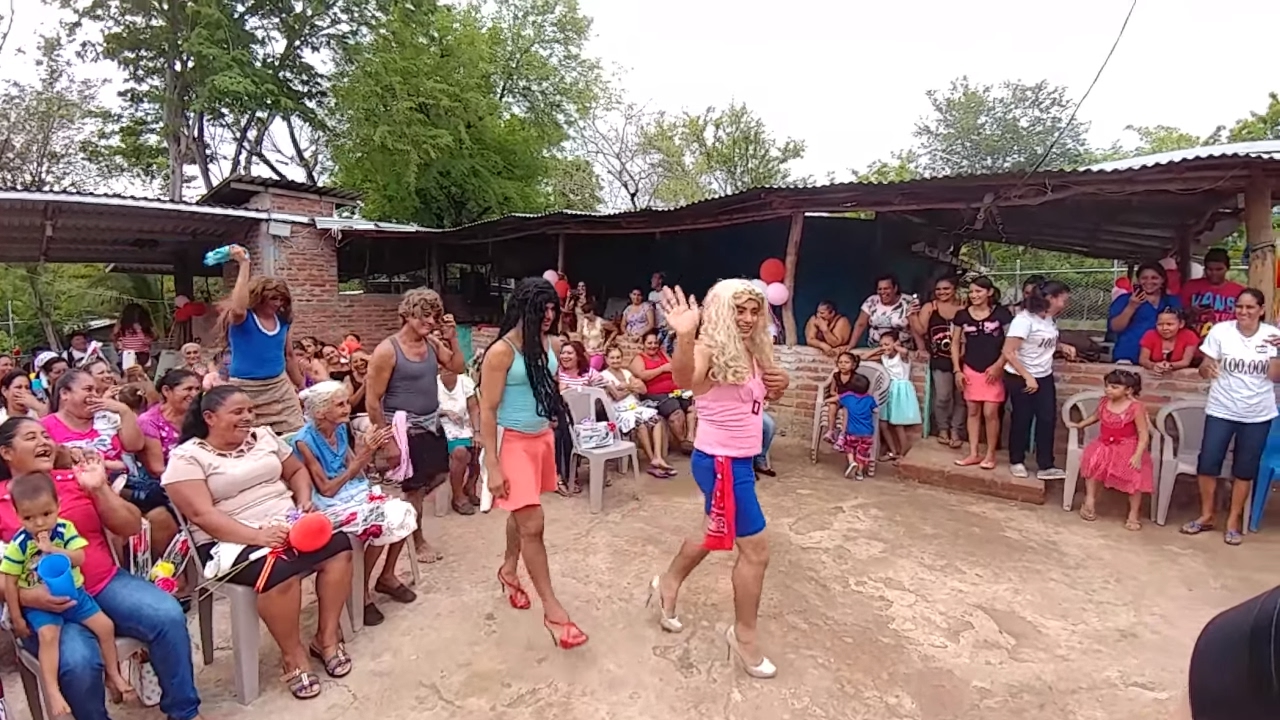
x=519, y=401
x=731, y=371
x=255, y=324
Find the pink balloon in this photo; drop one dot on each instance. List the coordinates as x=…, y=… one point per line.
x=551, y=276
x=777, y=294
x=1117, y=292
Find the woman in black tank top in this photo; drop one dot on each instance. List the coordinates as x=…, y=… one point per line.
x=949, y=409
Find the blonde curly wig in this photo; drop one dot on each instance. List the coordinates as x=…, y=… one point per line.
x=731, y=353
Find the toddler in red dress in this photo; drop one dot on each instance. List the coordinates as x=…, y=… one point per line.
x=1118, y=459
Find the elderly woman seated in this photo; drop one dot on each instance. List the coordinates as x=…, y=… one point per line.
x=324, y=444
x=238, y=485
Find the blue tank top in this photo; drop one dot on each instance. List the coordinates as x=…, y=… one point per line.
x=255, y=353
x=519, y=410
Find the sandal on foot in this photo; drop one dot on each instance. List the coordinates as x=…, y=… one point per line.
x=657, y=472
x=570, y=637
x=464, y=508
x=337, y=665
x=956, y=443
x=1232, y=537
x=400, y=593
x=829, y=438
x=1132, y=525
x=1195, y=527
x=516, y=595
x=1088, y=515
x=302, y=684
x=562, y=489
x=944, y=438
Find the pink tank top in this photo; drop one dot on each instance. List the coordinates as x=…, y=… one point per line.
x=731, y=419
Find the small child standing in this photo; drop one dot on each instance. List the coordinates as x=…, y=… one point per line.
x=858, y=439
x=902, y=409
x=43, y=533
x=1118, y=459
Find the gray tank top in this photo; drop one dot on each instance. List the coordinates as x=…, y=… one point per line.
x=413, y=387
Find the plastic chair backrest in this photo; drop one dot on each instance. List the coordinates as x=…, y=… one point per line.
x=874, y=372
x=1080, y=406
x=581, y=402
x=1187, y=433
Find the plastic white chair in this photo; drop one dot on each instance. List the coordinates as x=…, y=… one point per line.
x=1087, y=404
x=1180, y=427
x=581, y=402
x=879, y=390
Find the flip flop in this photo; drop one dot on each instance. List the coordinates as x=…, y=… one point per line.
x=1132, y=525
x=1195, y=527
x=670, y=472
x=1232, y=537
x=657, y=472
x=1088, y=515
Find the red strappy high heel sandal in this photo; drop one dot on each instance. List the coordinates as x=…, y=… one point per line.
x=571, y=636
x=516, y=595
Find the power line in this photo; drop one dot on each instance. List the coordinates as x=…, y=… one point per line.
x=1084, y=97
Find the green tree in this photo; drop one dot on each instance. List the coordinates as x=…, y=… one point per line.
x=574, y=185
x=1259, y=126
x=717, y=152
x=975, y=128
x=449, y=115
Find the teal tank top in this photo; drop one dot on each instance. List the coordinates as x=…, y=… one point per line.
x=519, y=410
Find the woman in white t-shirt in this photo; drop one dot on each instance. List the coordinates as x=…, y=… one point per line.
x=887, y=310
x=1029, y=346
x=459, y=417
x=1240, y=360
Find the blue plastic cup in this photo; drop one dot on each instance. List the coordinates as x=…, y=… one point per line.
x=55, y=573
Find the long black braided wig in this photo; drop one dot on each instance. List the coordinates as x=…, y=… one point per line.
x=527, y=308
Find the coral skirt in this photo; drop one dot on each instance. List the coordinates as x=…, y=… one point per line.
x=528, y=461
x=977, y=388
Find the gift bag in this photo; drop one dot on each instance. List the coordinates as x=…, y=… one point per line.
x=592, y=435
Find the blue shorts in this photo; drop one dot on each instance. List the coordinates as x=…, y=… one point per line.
x=1251, y=440
x=749, y=518
x=85, y=608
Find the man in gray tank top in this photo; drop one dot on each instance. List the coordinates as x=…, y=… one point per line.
x=402, y=378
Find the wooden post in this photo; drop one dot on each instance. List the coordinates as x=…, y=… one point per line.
x=1260, y=242
x=793, y=251
x=560, y=254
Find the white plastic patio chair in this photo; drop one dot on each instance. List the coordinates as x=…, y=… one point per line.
x=1076, y=409
x=1180, y=427
x=879, y=390
x=581, y=402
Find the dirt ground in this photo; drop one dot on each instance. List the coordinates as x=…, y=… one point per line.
x=883, y=600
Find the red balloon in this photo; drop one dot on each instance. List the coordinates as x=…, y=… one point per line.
x=772, y=271
x=310, y=533
x=562, y=288
x=1124, y=284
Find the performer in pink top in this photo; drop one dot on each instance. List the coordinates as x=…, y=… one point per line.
x=731, y=371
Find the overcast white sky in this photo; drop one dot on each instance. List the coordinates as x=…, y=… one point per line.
x=849, y=76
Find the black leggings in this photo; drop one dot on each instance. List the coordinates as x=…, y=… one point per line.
x=1040, y=406
x=564, y=449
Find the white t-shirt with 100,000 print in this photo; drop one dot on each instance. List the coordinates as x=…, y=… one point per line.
x=1039, y=342
x=1242, y=392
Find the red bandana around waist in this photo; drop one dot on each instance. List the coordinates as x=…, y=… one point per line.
x=720, y=521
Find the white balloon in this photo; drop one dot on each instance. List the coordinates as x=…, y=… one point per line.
x=1197, y=270
x=760, y=285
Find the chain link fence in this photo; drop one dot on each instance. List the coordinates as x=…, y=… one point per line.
x=1090, y=289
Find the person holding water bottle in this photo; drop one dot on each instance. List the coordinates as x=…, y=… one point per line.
x=49, y=550
x=255, y=322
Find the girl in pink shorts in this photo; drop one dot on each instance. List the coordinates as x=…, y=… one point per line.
x=977, y=339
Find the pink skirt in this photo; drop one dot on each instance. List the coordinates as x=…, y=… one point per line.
x=529, y=463
x=979, y=388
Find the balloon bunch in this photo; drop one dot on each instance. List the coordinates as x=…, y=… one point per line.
x=561, y=285
x=772, y=273
x=185, y=309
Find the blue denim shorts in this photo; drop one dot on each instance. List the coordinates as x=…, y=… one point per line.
x=749, y=518
x=1250, y=441
x=85, y=608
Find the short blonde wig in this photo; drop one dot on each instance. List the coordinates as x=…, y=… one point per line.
x=317, y=398
x=734, y=359
x=421, y=303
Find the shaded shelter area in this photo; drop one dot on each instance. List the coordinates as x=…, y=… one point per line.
x=1141, y=209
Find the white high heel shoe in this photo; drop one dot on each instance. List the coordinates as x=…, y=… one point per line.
x=764, y=671
x=670, y=623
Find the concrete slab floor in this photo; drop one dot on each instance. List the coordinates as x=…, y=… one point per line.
x=883, y=600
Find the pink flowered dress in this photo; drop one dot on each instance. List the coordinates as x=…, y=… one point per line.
x=1107, y=458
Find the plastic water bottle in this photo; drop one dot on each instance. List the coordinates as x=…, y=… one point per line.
x=220, y=255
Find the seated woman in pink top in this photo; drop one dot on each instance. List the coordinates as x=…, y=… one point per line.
x=731, y=372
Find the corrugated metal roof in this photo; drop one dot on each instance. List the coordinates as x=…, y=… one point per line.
x=1263, y=149
x=124, y=201
x=227, y=192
